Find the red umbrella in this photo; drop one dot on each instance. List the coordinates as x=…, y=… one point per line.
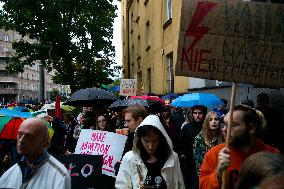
x=146, y=97
x=9, y=127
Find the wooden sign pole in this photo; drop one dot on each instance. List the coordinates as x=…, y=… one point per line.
x=229, y=126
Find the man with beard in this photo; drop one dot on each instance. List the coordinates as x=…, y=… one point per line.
x=245, y=128
x=185, y=150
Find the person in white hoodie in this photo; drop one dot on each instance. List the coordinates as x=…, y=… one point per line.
x=37, y=168
x=151, y=163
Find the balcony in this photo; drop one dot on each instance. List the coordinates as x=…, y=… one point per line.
x=9, y=91
x=8, y=79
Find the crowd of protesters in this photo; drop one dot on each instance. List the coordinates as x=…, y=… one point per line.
x=177, y=148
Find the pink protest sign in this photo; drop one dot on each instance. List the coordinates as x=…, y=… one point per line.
x=110, y=145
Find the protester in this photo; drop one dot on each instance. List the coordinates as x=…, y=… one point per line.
x=58, y=138
x=70, y=124
x=133, y=116
x=152, y=163
x=187, y=136
x=170, y=126
x=243, y=143
x=262, y=170
x=37, y=168
x=274, y=133
x=79, y=126
x=222, y=109
x=209, y=136
x=102, y=123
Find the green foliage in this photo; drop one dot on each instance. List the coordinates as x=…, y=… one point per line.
x=53, y=94
x=71, y=36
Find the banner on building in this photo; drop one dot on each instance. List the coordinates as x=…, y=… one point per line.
x=128, y=87
x=234, y=40
x=85, y=170
x=108, y=144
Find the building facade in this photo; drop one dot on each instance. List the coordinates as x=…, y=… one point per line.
x=150, y=38
x=16, y=87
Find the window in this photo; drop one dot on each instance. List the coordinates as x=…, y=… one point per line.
x=170, y=72
x=149, y=81
x=6, y=38
x=148, y=36
x=6, y=86
x=138, y=12
x=138, y=47
x=168, y=9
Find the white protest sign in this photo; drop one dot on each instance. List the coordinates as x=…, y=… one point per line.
x=110, y=145
x=127, y=87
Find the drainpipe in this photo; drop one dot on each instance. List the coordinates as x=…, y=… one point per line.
x=127, y=37
x=41, y=82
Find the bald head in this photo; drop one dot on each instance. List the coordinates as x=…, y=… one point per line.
x=37, y=126
x=32, y=138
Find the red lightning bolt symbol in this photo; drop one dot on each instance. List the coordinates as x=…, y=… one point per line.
x=203, y=8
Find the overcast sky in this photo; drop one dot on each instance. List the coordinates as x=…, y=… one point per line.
x=117, y=35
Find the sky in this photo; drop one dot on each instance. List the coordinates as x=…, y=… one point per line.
x=117, y=41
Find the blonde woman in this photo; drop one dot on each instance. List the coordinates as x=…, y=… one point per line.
x=209, y=136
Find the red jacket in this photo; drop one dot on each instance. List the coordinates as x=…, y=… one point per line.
x=208, y=177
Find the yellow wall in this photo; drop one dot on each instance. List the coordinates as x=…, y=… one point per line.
x=163, y=42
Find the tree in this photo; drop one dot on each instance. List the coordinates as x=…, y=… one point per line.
x=53, y=94
x=71, y=36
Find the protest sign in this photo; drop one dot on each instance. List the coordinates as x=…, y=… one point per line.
x=110, y=145
x=234, y=40
x=85, y=170
x=127, y=87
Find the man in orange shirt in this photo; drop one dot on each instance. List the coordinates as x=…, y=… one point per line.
x=245, y=127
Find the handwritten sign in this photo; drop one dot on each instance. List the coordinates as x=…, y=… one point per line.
x=127, y=87
x=85, y=170
x=232, y=40
x=110, y=145
x=122, y=131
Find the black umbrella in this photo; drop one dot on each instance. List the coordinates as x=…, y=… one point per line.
x=91, y=97
x=153, y=106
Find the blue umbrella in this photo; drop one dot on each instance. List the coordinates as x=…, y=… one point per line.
x=169, y=96
x=115, y=88
x=192, y=99
x=13, y=113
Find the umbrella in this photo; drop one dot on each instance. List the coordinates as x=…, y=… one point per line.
x=192, y=99
x=9, y=127
x=64, y=108
x=28, y=101
x=115, y=88
x=91, y=97
x=20, y=109
x=169, y=96
x=146, y=97
x=152, y=106
x=13, y=113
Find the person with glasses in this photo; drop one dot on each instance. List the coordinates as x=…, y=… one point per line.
x=186, y=140
x=102, y=123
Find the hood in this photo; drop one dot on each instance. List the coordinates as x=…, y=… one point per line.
x=154, y=121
